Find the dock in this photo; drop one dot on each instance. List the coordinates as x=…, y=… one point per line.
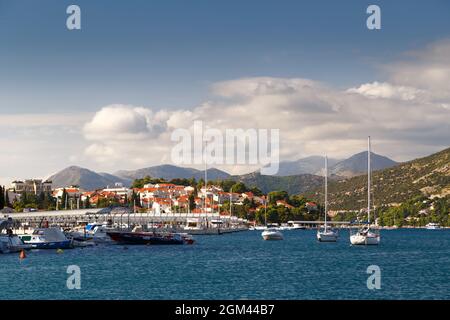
x=121, y=217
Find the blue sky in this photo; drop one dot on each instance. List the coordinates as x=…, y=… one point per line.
x=168, y=53
x=309, y=68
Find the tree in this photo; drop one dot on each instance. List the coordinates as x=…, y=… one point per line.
x=7, y=203
x=192, y=201
x=64, y=198
x=87, y=202
x=274, y=196
x=2, y=197
x=239, y=187
x=256, y=191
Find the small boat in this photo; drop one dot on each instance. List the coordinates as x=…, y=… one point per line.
x=326, y=234
x=10, y=242
x=260, y=228
x=152, y=238
x=93, y=232
x=366, y=235
x=47, y=238
x=272, y=234
x=433, y=226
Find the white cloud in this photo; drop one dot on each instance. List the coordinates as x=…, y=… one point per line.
x=124, y=122
x=407, y=115
x=312, y=118
x=387, y=91
x=427, y=69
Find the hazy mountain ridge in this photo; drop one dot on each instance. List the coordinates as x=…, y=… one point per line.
x=292, y=184
x=84, y=178
x=352, y=166
x=170, y=172
x=357, y=164
x=308, y=165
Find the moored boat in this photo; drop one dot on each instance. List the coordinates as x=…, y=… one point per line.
x=366, y=235
x=10, y=242
x=433, y=226
x=326, y=234
x=47, y=238
x=152, y=238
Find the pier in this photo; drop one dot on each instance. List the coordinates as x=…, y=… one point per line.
x=124, y=218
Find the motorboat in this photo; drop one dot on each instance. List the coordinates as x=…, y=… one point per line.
x=433, y=226
x=47, y=238
x=272, y=234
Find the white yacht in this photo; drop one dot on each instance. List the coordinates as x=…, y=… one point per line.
x=326, y=234
x=272, y=234
x=433, y=226
x=366, y=235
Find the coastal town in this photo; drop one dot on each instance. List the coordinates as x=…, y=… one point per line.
x=157, y=197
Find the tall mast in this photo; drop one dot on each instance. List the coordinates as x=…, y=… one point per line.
x=206, y=176
x=326, y=191
x=368, y=180
x=265, y=211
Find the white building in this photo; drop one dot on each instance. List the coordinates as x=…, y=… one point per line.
x=35, y=186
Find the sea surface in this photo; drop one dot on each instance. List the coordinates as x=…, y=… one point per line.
x=414, y=264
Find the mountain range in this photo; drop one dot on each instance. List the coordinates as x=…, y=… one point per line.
x=355, y=165
x=293, y=176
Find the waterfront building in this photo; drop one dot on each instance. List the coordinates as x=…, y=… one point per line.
x=35, y=186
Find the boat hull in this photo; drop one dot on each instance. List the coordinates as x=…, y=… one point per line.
x=66, y=244
x=272, y=235
x=146, y=238
x=12, y=244
x=327, y=236
x=359, y=239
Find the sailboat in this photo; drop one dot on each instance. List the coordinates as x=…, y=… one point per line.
x=326, y=234
x=366, y=235
x=270, y=233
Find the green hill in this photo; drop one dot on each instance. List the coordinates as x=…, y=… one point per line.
x=292, y=184
x=428, y=176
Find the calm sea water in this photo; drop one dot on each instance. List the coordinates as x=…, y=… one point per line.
x=415, y=264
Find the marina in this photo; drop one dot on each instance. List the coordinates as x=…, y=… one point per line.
x=239, y=266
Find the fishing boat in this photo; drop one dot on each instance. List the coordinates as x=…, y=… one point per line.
x=366, y=235
x=47, y=238
x=150, y=238
x=10, y=242
x=326, y=234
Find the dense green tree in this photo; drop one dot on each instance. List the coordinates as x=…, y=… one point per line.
x=2, y=197
x=239, y=187
x=7, y=202
x=274, y=196
x=192, y=201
